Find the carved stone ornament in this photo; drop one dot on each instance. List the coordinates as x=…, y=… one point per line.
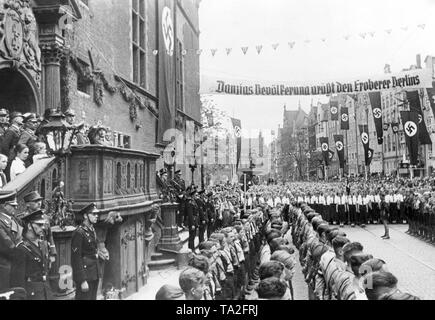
x=18, y=36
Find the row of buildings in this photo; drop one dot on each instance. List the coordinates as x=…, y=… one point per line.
x=296, y=149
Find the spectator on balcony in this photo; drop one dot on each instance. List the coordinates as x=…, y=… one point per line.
x=18, y=166
x=11, y=138
x=28, y=136
x=4, y=121
x=98, y=136
x=3, y=165
x=40, y=151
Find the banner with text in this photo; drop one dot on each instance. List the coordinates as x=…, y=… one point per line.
x=412, y=79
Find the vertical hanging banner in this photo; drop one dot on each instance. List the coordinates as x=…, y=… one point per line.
x=344, y=118
x=334, y=110
x=415, y=106
x=324, y=144
x=237, y=126
x=324, y=116
x=370, y=156
x=375, y=101
x=166, y=68
x=365, y=139
x=339, y=145
x=410, y=127
x=431, y=97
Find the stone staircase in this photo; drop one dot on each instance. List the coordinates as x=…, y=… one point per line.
x=163, y=259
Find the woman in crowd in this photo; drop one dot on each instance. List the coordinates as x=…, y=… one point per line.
x=18, y=165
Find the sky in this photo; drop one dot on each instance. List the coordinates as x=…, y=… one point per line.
x=238, y=23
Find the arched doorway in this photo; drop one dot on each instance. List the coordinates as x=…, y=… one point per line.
x=18, y=92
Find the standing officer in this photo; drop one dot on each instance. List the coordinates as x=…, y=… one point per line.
x=384, y=212
x=84, y=255
x=211, y=213
x=33, y=202
x=10, y=236
x=203, y=217
x=192, y=217
x=179, y=186
x=30, y=265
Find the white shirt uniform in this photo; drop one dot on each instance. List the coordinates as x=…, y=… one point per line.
x=337, y=200
x=343, y=199
x=314, y=199
x=377, y=198
x=300, y=199
x=360, y=200
x=307, y=199
x=329, y=200
x=350, y=200
x=322, y=200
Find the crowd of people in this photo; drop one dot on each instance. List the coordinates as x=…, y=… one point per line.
x=23, y=142
x=247, y=241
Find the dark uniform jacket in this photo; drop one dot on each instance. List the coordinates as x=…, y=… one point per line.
x=192, y=214
x=211, y=211
x=203, y=218
x=10, y=236
x=84, y=256
x=9, y=141
x=30, y=269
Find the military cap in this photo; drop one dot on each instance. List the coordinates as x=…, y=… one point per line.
x=30, y=117
x=90, y=208
x=4, y=112
x=163, y=171
x=178, y=172
x=48, y=113
x=70, y=112
x=32, y=197
x=9, y=198
x=37, y=216
x=15, y=115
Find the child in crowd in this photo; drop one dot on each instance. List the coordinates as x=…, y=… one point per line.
x=18, y=167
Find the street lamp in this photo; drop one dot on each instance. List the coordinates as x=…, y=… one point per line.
x=56, y=136
x=193, y=165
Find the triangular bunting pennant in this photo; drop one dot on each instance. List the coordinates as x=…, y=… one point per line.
x=291, y=44
x=245, y=49
x=307, y=41
x=347, y=37
x=259, y=48
x=421, y=26
x=275, y=46
x=388, y=31
x=404, y=28
x=323, y=39
x=372, y=34
x=363, y=35
x=228, y=50
x=213, y=51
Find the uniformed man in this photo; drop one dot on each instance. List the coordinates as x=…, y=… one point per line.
x=203, y=216
x=192, y=217
x=10, y=235
x=384, y=211
x=33, y=202
x=211, y=214
x=84, y=255
x=4, y=121
x=30, y=265
x=11, y=138
x=179, y=187
x=28, y=136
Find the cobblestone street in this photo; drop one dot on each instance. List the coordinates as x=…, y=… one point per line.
x=410, y=259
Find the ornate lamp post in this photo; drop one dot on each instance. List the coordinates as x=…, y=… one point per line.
x=169, y=160
x=193, y=166
x=56, y=135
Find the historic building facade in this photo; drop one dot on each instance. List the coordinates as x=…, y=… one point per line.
x=130, y=66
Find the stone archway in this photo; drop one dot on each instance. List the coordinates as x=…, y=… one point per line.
x=18, y=92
